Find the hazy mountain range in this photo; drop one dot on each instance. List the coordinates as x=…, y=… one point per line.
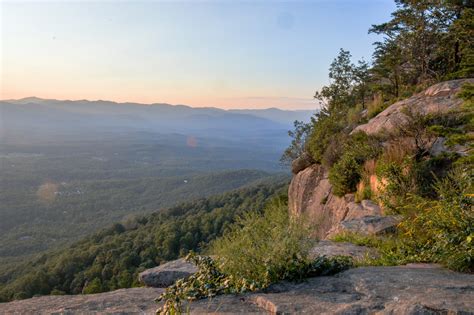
x=57, y=116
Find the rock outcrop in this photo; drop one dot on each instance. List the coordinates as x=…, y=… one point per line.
x=439, y=98
x=302, y=162
x=310, y=192
x=367, y=225
x=166, y=274
x=412, y=289
x=331, y=249
x=123, y=301
x=310, y=195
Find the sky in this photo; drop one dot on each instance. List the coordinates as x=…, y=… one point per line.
x=227, y=54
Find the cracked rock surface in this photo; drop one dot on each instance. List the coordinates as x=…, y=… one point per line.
x=412, y=289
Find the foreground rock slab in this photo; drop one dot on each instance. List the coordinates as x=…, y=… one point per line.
x=166, y=274
x=412, y=289
x=123, y=301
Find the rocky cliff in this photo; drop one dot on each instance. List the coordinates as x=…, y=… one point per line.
x=437, y=99
x=310, y=193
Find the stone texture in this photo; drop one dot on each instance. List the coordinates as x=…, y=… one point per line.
x=371, y=207
x=439, y=98
x=371, y=225
x=123, y=301
x=412, y=289
x=302, y=162
x=330, y=249
x=439, y=147
x=310, y=195
x=375, y=290
x=166, y=274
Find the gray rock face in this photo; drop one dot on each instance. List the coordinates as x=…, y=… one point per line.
x=123, y=301
x=439, y=98
x=375, y=290
x=310, y=195
x=302, y=162
x=166, y=274
x=330, y=249
x=371, y=225
x=371, y=207
x=412, y=289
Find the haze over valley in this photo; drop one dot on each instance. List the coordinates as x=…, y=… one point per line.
x=71, y=167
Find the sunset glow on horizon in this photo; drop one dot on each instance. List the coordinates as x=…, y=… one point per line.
x=205, y=54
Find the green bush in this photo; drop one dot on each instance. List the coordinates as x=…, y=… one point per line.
x=345, y=174
x=439, y=230
x=257, y=250
x=209, y=281
x=263, y=247
x=95, y=286
x=325, y=128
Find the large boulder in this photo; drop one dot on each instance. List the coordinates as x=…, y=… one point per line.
x=439, y=98
x=167, y=274
x=368, y=225
x=310, y=196
x=331, y=249
x=302, y=162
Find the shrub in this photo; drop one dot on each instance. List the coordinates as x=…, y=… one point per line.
x=398, y=182
x=439, y=230
x=443, y=230
x=263, y=247
x=257, y=250
x=325, y=128
x=209, y=281
x=345, y=174
x=376, y=106
x=363, y=192
x=95, y=286
x=354, y=114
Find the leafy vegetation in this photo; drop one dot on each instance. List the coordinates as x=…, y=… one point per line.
x=257, y=250
x=209, y=281
x=112, y=258
x=425, y=42
x=346, y=172
x=263, y=247
x=439, y=230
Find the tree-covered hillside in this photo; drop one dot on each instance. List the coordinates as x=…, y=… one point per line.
x=419, y=166
x=112, y=258
x=55, y=190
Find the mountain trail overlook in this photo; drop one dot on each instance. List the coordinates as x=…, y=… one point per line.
x=407, y=289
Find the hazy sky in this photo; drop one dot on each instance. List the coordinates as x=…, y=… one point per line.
x=230, y=54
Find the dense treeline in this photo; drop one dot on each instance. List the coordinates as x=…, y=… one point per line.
x=66, y=212
x=112, y=258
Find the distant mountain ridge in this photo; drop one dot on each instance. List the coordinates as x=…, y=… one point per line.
x=273, y=113
x=57, y=118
